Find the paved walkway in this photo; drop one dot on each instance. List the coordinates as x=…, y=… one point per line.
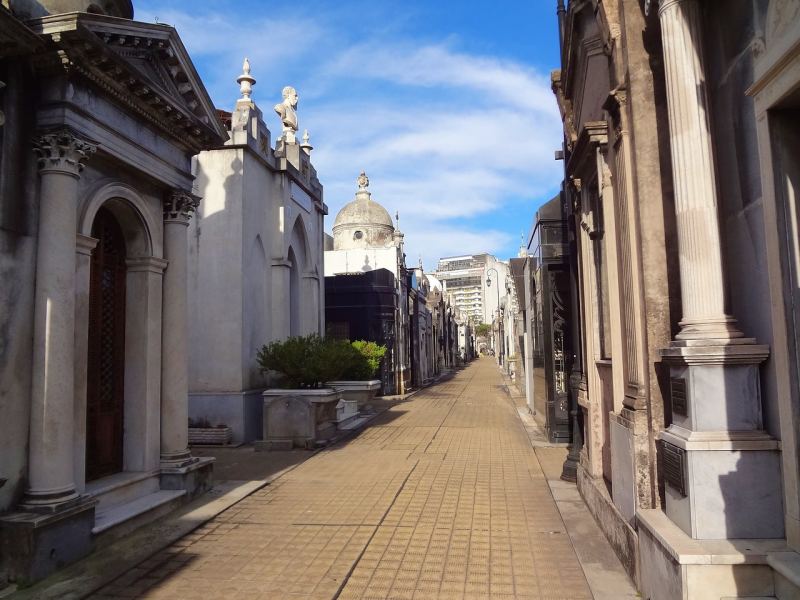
x=441, y=497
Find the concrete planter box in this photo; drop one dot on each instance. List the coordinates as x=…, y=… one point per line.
x=298, y=418
x=360, y=392
x=210, y=435
x=241, y=411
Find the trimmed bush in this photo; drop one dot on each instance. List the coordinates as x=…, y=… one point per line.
x=309, y=361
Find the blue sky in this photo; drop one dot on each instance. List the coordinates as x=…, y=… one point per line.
x=446, y=105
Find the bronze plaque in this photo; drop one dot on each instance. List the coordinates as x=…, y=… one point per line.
x=678, y=396
x=673, y=467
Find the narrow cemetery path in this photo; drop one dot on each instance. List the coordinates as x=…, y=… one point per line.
x=441, y=497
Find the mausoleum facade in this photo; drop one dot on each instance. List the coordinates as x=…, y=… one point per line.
x=101, y=116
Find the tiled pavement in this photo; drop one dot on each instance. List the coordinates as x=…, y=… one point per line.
x=442, y=497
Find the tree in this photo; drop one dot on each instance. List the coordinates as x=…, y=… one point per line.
x=483, y=330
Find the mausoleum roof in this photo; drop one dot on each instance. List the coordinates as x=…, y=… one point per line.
x=363, y=210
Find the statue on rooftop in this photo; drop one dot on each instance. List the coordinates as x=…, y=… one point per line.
x=287, y=111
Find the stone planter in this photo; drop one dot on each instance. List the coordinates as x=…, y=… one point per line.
x=358, y=392
x=298, y=418
x=217, y=436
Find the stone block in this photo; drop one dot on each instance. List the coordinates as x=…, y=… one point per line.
x=676, y=567
x=720, y=397
x=304, y=417
x=196, y=478
x=730, y=494
x=33, y=545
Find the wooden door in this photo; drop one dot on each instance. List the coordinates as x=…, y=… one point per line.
x=105, y=402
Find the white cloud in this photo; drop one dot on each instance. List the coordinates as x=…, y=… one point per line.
x=448, y=138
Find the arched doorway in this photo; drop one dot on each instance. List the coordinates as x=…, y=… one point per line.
x=294, y=294
x=105, y=401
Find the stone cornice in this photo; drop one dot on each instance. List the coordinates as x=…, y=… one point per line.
x=143, y=67
x=592, y=135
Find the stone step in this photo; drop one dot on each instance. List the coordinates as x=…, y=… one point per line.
x=122, y=488
x=352, y=423
x=110, y=517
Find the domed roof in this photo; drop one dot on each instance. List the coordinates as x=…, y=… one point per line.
x=363, y=210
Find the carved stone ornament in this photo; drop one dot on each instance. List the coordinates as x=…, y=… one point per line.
x=180, y=205
x=363, y=181
x=62, y=151
x=246, y=81
x=287, y=111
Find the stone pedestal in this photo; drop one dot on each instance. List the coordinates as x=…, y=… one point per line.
x=34, y=545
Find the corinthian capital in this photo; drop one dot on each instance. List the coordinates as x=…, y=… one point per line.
x=61, y=151
x=179, y=206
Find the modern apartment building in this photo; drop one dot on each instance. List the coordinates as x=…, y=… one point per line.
x=471, y=281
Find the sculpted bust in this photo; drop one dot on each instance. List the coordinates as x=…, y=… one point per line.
x=287, y=111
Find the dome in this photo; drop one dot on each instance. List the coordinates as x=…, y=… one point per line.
x=363, y=212
x=362, y=223
x=38, y=8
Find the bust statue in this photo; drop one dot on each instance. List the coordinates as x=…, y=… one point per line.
x=287, y=111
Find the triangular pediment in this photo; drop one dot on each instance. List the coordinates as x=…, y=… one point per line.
x=148, y=68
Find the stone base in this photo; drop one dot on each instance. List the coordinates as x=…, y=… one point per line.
x=195, y=478
x=786, y=573
x=306, y=417
x=676, y=567
x=34, y=545
x=615, y=527
x=360, y=392
x=732, y=485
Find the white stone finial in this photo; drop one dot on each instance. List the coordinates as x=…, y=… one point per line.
x=246, y=81
x=306, y=138
x=363, y=181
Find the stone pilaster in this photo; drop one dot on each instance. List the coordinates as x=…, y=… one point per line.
x=178, y=208
x=51, y=482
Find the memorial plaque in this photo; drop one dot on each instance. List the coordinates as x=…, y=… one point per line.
x=674, y=458
x=678, y=395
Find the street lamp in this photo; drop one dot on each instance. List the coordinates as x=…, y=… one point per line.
x=499, y=322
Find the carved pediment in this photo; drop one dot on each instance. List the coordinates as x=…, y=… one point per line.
x=143, y=66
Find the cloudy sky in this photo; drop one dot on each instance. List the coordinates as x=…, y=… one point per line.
x=446, y=104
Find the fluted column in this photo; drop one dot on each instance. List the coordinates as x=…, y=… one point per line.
x=701, y=268
x=50, y=464
x=178, y=209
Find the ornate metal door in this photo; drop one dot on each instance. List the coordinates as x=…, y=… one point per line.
x=105, y=402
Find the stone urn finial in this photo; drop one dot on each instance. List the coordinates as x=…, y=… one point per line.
x=246, y=81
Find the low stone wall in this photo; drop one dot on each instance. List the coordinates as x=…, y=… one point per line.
x=622, y=537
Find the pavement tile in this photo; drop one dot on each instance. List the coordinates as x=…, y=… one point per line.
x=441, y=497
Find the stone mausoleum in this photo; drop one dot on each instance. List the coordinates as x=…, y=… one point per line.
x=367, y=276
x=99, y=119
x=255, y=260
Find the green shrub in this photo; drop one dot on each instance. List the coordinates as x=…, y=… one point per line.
x=367, y=366
x=310, y=361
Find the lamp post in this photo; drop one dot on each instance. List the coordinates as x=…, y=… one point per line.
x=499, y=323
